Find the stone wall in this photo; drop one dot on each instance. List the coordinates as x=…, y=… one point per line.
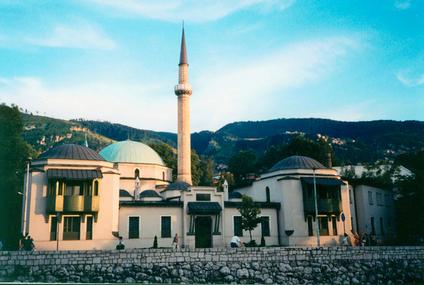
x=289, y=265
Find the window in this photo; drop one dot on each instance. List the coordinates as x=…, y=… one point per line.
x=268, y=194
x=323, y=226
x=166, y=227
x=71, y=228
x=334, y=223
x=203, y=197
x=96, y=188
x=265, y=226
x=237, y=226
x=52, y=188
x=53, y=228
x=61, y=188
x=387, y=200
x=137, y=173
x=89, y=232
x=310, y=228
x=370, y=200
x=379, y=199
x=351, y=195
x=133, y=227
x=381, y=226
x=163, y=175
x=372, y=226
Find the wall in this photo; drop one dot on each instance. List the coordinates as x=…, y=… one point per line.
x=335, y=265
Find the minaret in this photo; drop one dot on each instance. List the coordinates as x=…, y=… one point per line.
x=183, y=91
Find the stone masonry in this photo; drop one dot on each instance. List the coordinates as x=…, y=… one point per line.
x=268, y=265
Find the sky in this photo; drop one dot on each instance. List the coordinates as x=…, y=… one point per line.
x=117, y=60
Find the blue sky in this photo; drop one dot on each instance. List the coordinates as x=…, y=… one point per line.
x=249, y=59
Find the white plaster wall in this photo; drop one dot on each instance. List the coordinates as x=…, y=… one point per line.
x=366, y=211
x=230, y=213
x=150, y=225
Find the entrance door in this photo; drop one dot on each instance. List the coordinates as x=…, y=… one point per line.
x=203, y=232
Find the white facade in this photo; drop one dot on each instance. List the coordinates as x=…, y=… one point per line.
x=286, y=187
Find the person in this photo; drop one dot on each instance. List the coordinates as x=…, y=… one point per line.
x=120, y=245
x=235, y=242
x=28, y=243
x=21, y=241
x=364, y=239
x=345, y=240
x=175, y=241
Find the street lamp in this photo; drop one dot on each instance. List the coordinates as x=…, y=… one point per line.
x=316, y=207
x=24, y=198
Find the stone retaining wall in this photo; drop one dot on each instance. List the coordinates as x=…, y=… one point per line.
x=289, y=265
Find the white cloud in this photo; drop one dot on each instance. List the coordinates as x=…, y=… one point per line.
x=81, y=36
x=192, y=10
x=237, y=92
x=402, y=4
x=251, y=90
x=123, y=102
x=409, y=80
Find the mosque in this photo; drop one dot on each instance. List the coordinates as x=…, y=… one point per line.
x=78, y=199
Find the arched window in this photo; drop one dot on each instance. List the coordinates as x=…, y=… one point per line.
x=268, y=194
x=96, y=188
x=163, y=175
x=137, y=173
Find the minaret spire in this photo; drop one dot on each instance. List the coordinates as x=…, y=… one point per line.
x=183, y=91
x=183, y=52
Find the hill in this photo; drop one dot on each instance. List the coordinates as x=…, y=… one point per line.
x=352, y=142
x=43, y=132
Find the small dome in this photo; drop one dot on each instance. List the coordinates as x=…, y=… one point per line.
x=71, y=151
x=178, y=185
x=150, y=194
x=124, y=193
x=131, y=152
x=234, y=195
x=297, y=162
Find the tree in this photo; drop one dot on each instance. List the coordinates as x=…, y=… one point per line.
x=208, y=166
x=14, y=153
x=249, y=215
x=410, y=199
x=299, y=145
x=241, y=165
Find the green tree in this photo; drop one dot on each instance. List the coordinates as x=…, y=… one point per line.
x=410, y=199
x=242, y=165
x=249, y=215
x=299, y=145
x=168, y=155
x=208, y=166
x=14, y=153
x=196, y=168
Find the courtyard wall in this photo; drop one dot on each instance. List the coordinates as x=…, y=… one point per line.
x=288, y=265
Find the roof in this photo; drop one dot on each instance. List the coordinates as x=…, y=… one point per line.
x=234, y=195
x=71, y=151
x=297, y=162
x=262, y=205
x=124, y=193
x=150, y=194
x=205, y=208
x=323, y=181
x=178, y=185
x=183, y=52
x=74, y=174
x=140, y=203
x=131, y=152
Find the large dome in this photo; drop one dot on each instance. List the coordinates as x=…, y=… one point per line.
x=131, y=152
x=297, y=162
x=71, y=151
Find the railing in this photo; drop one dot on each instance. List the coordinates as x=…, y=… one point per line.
x=78, y=203
x=324, y=206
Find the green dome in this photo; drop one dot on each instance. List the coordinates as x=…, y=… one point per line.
x=131, y=152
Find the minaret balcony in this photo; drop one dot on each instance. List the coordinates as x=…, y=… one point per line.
x=184, y=88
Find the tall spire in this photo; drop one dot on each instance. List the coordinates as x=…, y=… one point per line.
x=183, y=91
x=183, y=52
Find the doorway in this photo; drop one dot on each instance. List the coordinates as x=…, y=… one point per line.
x=203, y=232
